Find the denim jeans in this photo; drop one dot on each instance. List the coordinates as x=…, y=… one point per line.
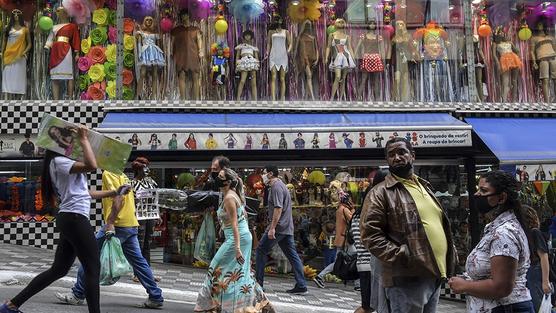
x=521, y=307
x=287, y=245
x=534, y=284
x=329, y=255
x=132, y=252
x=414, y=295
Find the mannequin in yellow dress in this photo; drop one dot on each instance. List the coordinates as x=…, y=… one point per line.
x=15, y=47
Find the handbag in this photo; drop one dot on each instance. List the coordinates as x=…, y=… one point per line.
x=345, y=266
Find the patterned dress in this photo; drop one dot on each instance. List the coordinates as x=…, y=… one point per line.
x=230, y=287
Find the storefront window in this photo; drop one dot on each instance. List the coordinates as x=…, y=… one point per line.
x=20, y=192
x=314, y=209
x=514, y=50
x=344, y=50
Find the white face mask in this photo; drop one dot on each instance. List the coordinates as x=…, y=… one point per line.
x=265, y=179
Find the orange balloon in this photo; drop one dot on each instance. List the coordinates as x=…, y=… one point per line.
x=484, y=30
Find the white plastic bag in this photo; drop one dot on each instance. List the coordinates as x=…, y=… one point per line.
x=546, y=305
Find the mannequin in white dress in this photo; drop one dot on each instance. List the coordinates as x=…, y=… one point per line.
x=279, y=45
x=15, y=48
x=340, y=54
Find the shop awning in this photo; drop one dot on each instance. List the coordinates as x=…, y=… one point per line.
x=424, y=129
x=518, y=140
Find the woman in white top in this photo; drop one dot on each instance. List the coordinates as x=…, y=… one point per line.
x=497, y=267
x=64, y=183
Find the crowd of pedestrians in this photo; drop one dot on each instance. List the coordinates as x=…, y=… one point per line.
x=400, y=235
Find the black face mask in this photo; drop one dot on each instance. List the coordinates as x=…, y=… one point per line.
x=481, y=202
x=401, y=171
x=214, y=175
x=220, y=182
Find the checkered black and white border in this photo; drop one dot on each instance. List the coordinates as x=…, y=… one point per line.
x=34, y=234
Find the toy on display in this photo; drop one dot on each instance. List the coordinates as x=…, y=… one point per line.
x=15, y=48
x=279, y=46
x=219, y=64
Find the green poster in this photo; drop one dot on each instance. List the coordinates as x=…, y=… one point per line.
x=59, y=136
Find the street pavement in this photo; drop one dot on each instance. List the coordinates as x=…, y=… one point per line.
x=19, y=264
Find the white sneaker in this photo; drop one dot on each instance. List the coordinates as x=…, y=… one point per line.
x=69, y=298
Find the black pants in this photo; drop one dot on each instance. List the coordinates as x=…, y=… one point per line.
x=146, y=229
x=365, y=284
x=76, y=239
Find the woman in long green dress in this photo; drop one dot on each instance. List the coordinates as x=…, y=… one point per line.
x=230, y=286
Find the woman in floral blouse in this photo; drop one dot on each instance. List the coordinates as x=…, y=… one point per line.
x=496, y=269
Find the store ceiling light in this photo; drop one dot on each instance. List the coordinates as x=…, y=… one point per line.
x=369, y=5
x=295, y=2
x=476, y=2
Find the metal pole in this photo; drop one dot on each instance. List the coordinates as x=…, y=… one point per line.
x=470, y=51
x=120, y=48
x=471, y=170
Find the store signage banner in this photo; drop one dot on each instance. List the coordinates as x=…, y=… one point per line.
x=60, y=136
x=290, y=140
x=540, y=172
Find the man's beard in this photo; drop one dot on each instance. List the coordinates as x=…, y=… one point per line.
x=401, y=171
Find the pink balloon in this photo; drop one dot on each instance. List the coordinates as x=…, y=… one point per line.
x=166, y=24
x=388, y=31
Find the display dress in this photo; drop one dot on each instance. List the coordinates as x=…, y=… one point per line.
x=509, y=60
x=186, y=48
x=15, y=65
x=437, y=83
x=150, y=54
x=63, y=41
x=307, y=50
x=546, y=56
x=247, y=61
x=229, y=286
x=278, y=58
x=371, y=61
x=342, y=58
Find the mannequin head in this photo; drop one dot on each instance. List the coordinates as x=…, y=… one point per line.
x=340, y=23
x=499, y=35
x=307, y=27
x=540, y=29
x=247, y=36
x=15, y=20
x=148, y=23
x=62, y=14
x=372, y=25
x=184, y=17
x=400, y=26
x=277, y=23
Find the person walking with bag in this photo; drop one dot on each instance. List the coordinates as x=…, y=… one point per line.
x=230, y=285
x=64, y=183
x=343, y=218
x=120, y=219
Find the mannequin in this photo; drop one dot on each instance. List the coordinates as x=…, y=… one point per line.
x=64, y=44
x=187, y=43
x=342, y=60
x=150, y=56
x=437, y=81
x=508, y=64
x=219, y=68
x=279, y=45
x=403, y=53
x=543, y=55
x=479, y=66
x=307, y=54
x=247, y=64
x=371, y=55
x=15, y=47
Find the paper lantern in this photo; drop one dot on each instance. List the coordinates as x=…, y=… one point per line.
x=525, y=34
x=166, y=24
x=330, y=29
x=221, y=26
x=484, y=30
x=317, y=177
x=45, y=23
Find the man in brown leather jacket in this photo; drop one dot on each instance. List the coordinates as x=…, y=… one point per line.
x=404, y=226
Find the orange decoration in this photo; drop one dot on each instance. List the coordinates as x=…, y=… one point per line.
x=484, y=30
x=127, y=77
x=128, y=26
x=97, y=54
x=95, y=92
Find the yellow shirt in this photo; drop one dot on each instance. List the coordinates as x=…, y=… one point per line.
x=126, y=216
x=431, y=217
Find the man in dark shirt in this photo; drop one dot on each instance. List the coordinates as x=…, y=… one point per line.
x=280, y=230
x=27, y=148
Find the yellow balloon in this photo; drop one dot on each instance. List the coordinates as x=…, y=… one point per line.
x=221, y=26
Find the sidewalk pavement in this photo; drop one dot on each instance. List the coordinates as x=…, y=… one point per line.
x=182, y=283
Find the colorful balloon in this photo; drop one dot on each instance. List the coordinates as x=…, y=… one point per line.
x=45, y=23
x=484, y=30
x=166, y=24
x=221, y=26
x=331, y=29
x=525, y=34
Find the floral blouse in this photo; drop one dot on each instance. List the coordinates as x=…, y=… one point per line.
x=503, y=237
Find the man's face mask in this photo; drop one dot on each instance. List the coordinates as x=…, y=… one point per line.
x=146, y=170
x=214, y=175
